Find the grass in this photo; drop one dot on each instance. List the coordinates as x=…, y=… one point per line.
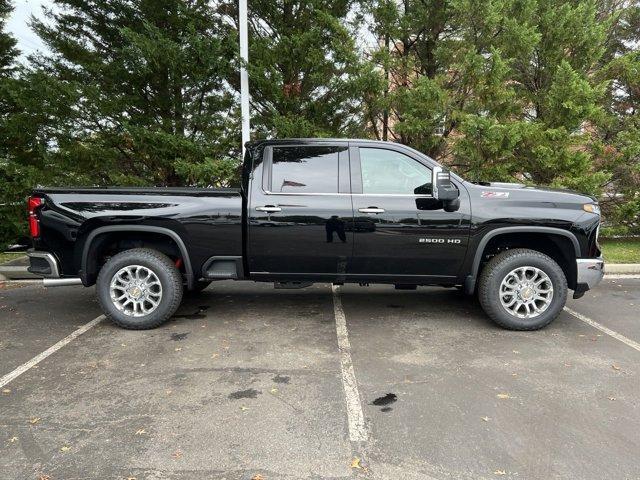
x=621, y=250
x=5, y=257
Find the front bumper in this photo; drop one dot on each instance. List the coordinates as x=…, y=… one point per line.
x=590, y=272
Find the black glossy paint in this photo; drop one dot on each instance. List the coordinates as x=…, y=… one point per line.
x=317, y=236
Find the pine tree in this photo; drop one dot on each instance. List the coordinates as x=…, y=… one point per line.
x=147, y=83
x=502, y=89
x=305, y=73
x=619, y=150
x=12, y=180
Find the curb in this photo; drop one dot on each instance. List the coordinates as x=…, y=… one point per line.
x=621, y=268
x=11, y=272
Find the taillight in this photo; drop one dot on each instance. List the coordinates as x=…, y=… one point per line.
x=34, y=225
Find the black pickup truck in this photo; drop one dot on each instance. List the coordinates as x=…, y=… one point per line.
x=319, y=210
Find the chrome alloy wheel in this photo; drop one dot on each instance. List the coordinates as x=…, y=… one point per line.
x=135, y=290
x=526, y=292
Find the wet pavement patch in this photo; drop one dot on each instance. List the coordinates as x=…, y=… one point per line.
x=281, y=379
x=176, y=337
x=249, y=393
x=388, y=399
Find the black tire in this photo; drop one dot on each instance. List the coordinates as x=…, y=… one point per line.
x=499, y=267
x=164, y=269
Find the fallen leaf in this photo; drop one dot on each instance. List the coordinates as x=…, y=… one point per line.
x=615, y=367
x=355, y=463
x=178, y=349
x=132, y=478
x=34, y=420
x=177, y=454
x=243, y=408
x=274, y=390
x=500, y=472
x=42, y=476
x=257, y=476
x=486, y=419
x=142, y=431
x=65, y=449
x=504, y=395
x=13, y=439
x=214, y=355
x=6, y=390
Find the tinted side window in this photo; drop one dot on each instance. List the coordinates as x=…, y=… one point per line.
x=312, y=169
x=389, y=172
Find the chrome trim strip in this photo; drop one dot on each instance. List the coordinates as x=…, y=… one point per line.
x=61, y=282
x=266, y=192
x=51, y=260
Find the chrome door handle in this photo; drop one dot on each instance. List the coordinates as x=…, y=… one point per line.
x=371, y=210
x=269, y=209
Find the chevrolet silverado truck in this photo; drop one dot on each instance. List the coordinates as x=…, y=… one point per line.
x=321, y=210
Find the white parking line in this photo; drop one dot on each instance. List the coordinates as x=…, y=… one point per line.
x=602, y=328
x=54, y=348
x=357, y=430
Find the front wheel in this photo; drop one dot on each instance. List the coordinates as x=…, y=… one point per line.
x=522, y=289
x=139, y=288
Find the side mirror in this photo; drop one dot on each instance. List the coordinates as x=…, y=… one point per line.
x=443, y=189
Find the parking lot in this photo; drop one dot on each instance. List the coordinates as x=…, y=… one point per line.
x=320, y=383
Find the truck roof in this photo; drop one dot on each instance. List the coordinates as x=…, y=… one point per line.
x=273, y=141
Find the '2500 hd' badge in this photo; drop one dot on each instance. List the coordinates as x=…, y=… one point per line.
x=440, y=240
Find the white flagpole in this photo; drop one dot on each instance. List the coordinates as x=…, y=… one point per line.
x=244, y=76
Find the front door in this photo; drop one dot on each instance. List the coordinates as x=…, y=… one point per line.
x=299, y=209
x=401, y=231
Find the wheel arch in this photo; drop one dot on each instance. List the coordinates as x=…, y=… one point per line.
x=85, y=263
x=568, y=238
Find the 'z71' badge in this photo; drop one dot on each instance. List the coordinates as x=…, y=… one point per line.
x=439, y=240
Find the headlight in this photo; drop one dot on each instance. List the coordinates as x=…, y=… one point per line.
x=591, y=208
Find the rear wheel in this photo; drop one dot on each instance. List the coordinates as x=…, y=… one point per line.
x=522, y=289
x=139, y=288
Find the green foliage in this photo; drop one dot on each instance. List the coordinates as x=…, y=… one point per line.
x=306, y=76
x=146, y=82
x=515, y=90
x=145, y=92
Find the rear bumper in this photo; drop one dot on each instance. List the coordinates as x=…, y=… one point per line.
x=43, y=264
x=589, y=274
x=46, y=265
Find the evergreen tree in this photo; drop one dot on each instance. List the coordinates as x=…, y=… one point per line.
x=305, y=73
x=147, y=83
x=503, y=89
x=619, y=149
x=12, y=181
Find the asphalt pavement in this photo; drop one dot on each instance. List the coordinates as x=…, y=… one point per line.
x=249, y=382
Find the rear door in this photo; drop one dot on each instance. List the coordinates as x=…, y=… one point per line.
x=401, y=231
x=299, y=212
